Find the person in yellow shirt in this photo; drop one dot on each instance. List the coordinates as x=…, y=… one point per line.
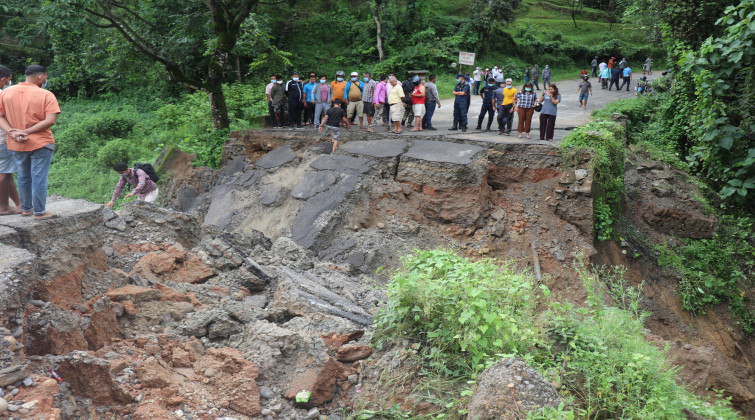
x=503, y=101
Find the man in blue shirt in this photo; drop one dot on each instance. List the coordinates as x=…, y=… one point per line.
x=627, y=77
x=309, y=106
x=487, y=93
x=461, y=103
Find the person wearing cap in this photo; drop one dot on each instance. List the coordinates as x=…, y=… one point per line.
x=487, y=93
x=339, y=86
x=461, y=100
x=610, y=62
x=353, y=93
x=477, y=79
x=594, y=66
x=296, y=98
x=535, y=77
x=418, y=95
x=546, y=76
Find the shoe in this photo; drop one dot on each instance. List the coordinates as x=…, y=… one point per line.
x=431, y=128
x=478, y=128
x=500, y=132
x=463, y=129
x=453, y=128
x=487, y=129
x=298, y=127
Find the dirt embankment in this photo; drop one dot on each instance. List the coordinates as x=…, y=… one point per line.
x=260, y=282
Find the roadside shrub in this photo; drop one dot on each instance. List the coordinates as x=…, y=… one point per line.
x=116, y=150
x=605, y=140
x=461, y=313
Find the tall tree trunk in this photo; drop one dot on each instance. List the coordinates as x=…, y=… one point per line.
x=376, y=15
x=238, y=69
x=215, y=90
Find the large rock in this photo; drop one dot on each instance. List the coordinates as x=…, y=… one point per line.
x=320, y=381
x=90, y=377
x=279, y=156
x=319, y=216
x=507, y=387
x=343, y=164
x=441, y=164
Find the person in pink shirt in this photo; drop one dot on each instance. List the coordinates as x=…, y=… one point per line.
x=379, y=101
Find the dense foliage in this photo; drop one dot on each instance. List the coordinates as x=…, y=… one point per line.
x=461, y=316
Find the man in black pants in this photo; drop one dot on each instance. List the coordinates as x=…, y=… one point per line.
x=487, y=94
x=615, y=73
x=593, y=65
x=295, y=92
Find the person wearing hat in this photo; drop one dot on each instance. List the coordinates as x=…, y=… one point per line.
x=461, y=99
x=296, y=99
x=477, y=79
x=338, y=86
x=418, y=94
x=594, y=66
x=353, y=93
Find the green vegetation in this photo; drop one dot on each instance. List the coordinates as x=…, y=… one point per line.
x=461, y=316
x=605, y=142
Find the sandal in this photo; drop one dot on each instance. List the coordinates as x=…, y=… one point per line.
x=26, y=213
x=399, y=132
x=47, y=216
x=11, y=212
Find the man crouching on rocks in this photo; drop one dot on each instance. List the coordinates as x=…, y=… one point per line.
x=144, y=188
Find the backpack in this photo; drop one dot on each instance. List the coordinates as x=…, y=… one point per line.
x=148, y=169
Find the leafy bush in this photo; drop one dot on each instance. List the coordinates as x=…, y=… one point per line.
x=117, y=150
x=460, y=312
x=605, y=140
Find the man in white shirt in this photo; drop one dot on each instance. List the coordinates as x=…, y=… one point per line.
x=477, y=74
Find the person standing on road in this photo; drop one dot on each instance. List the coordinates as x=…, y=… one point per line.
x=594, y=66
x=527, y=74
x=648, y=65
x=584, y=90
x=295, y=92
x=524, y=105
x=605, y=76
x=546, y=76
x=8, y=189
x=278, y=95
x=611, y=62
x=627, y=73
x=309, y=104
x=504, y=102
x=497, y=74
x=461, y=103
x=623, y=64
x=431, y=100
x=408, y=109
x=322, y=95
x=27, y=111
x=334, y=118
x=353, y=92
x=535, y=77
x=550, y=102
x=418, y=102
x=395, y=101
x=601, y=66
x=487, y=93
x=368, y=98
x=339, y=87
x=615, y=75
x=378, y=102
x=477, y=79
x=270, y=108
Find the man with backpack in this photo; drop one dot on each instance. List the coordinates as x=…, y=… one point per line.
x=143, y=177
x=408, y=86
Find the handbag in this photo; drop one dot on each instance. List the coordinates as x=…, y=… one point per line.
x=539, y=106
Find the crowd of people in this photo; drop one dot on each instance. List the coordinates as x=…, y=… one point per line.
x=320, y=102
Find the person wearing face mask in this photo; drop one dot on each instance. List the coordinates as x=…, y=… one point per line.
x=309, y=104
x=295, y=92
x=504, y=102
x=368, y=97
x=339, y=87
x=487, y=93
x=379, y=104
x=546, y=76
x=477, y=80
x=535, y=77
x=550, y=102
x=8, y=189
x=26, y=114
x=280, y=103
x=418, y=102
x=527, y=74
x=353, y=92
x=431, y=101
x=524, y=105
x=270, y=109
x=408, y=86
x=322, y=95
x=461, y=100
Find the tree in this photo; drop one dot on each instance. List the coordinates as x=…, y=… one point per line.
x=192, y=41
x=379, y=26
x=575, y=7
x=486, y=15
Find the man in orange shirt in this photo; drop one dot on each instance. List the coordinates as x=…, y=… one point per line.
x=7, y=161
x=339, y=88
x=27, y=111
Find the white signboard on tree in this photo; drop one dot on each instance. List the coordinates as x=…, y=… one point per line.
x=466, y=58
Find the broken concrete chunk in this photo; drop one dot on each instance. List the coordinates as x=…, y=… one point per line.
x=280, y=156
x=13, y=374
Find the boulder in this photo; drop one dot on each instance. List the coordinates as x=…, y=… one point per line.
x=508, y=387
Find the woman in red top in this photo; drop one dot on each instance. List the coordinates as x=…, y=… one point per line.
x=418, y=103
